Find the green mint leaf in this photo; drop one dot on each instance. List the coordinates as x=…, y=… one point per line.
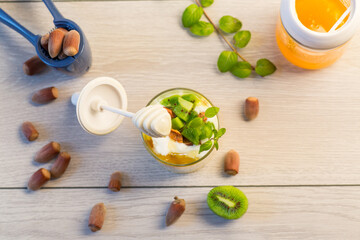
x=216, y=145
x=229, y=24
x=215, y=132
x=191, y=15
x=220, y=133
x=205, y=146
x=211, y=112
x=202, y=29
x=226, y=61
x=241, y=69
x=264, y=67
x=206, y=130
x=192, y=134
x=206, y=3
x=242, y=39
x=196, y=122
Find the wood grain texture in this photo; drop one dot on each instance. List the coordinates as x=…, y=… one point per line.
x=274, y=213
x=307, y=131
x=56, y=1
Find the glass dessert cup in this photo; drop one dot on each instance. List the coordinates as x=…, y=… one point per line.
x=180, y=163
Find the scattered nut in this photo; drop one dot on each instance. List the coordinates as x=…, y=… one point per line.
x=56, y=42
x=170, y=112
x=187, y=142
x=175, y=210
x=44, y=41
x=60, y=165
x=176, y=136
x=97, y=217
x=232, y=162
x=65, y=31
x=29, y=131
x=115, y=182
x=47, y=152
x=45, y=95
x=202, y=115
x=38, y=179
x=71, y=43
x=62, y=55
x=34, y=66
x=61, y=43
x=251, y=108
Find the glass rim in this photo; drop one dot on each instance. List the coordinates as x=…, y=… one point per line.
x=173, y=164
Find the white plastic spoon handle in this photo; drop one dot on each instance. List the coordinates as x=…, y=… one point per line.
x=341, y=19
x=118, y=111
x=75, y=98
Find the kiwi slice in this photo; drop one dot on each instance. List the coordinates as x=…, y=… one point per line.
x=227, y=202
x=185, y=104
x=192, y=115
x=171, y=101
x=177, y=124
x=191, y=98
x=181, y=113
x=183, y=109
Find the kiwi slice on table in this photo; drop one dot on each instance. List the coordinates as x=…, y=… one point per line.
x=227, y=202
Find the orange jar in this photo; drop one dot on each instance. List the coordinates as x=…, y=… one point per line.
x=304, y=34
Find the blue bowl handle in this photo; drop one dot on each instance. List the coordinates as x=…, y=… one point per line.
x=10, y=22
x=53, y=10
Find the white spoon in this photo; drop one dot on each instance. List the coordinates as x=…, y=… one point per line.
x=154, y=121
x=341, y=19
x=102, y=97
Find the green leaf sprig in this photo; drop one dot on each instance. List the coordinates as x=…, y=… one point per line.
x=209, y=113
x=229, y=24
x=202, y=28
x=228, y=60
x=206, y=3
x=191, y=15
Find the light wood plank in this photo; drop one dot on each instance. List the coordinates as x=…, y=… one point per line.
x=274, y=213
x=56, y=1
x=307, y=131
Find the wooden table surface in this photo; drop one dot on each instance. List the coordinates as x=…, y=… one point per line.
x=299, y=159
